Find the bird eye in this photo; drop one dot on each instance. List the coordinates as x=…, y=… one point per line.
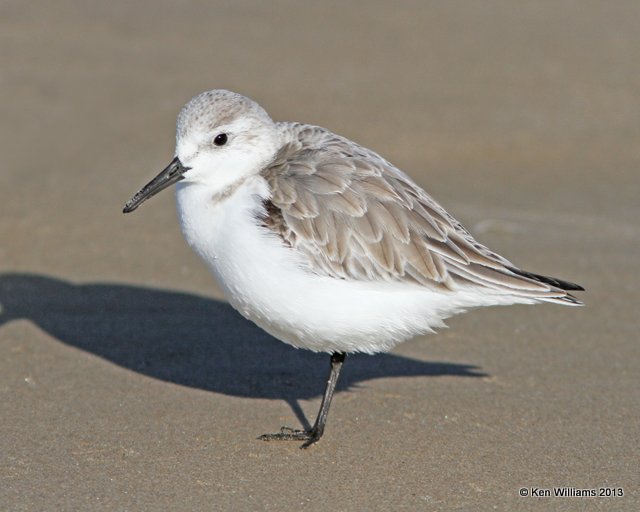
x=220, y=140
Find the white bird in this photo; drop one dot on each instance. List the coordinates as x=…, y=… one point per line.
x=322, y=242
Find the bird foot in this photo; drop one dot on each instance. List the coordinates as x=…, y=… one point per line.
x=289, y=434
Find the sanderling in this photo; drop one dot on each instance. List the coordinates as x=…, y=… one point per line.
x=322, y=242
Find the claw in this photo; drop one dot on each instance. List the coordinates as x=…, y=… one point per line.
x=289, y=434
x=313, y=436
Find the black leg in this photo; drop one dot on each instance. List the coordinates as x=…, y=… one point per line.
x=312, y=436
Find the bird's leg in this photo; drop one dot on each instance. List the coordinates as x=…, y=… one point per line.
x=312, y=436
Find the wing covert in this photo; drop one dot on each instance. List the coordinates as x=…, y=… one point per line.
x=356, y=216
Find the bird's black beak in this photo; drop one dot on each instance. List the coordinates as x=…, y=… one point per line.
x=170, y=175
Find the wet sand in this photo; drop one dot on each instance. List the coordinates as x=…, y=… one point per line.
x=126, y=382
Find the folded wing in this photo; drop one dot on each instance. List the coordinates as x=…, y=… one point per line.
x=355, y=216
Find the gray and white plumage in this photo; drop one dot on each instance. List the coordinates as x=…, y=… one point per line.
x=356, y=216
x=322, y=242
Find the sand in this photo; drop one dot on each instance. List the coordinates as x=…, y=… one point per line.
x=126, y=382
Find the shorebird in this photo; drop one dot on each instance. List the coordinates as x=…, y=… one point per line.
x=323, y=243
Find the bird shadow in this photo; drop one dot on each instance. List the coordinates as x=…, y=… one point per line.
x=190, y=340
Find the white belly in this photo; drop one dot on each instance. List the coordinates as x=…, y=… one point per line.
x=271, y=285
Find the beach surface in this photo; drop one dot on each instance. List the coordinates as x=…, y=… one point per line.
x=126, y=381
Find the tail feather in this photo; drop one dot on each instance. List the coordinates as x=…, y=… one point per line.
x=566, y=300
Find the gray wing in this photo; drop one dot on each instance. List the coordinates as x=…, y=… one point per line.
x=355, y=216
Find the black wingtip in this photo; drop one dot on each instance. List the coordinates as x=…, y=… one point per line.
x=553, y=281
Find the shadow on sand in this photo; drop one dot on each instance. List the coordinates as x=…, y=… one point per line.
x=190, y=340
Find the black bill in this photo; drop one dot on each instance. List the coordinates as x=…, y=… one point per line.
x=170, y=175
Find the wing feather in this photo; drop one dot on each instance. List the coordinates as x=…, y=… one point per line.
x=356, y=216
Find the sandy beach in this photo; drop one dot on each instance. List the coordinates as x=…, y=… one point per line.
x=126, y=381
